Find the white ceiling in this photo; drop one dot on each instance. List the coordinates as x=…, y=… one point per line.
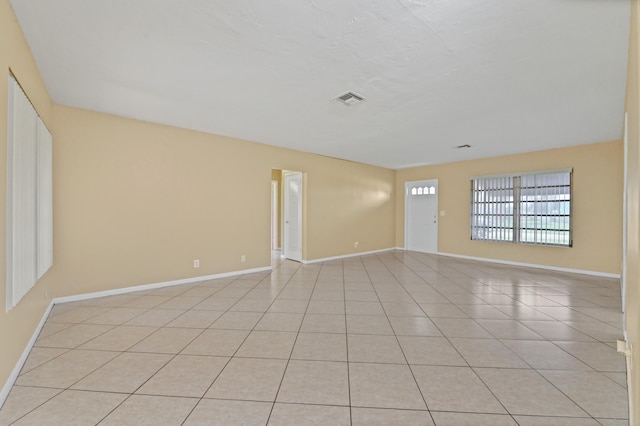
x=504, y=76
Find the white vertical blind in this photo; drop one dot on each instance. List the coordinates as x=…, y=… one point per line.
x=532, y=208
x=29, y=196
x=45, y=200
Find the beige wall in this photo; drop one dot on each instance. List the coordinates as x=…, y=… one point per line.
x=136, y=202
x=597, y=206
x=18, y=325
x=632, y=319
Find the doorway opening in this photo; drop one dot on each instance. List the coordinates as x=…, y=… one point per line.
x=286, y=214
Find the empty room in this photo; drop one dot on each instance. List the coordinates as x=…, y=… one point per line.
x=405, y=212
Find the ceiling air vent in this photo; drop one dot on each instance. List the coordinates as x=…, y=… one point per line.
x=350, y=98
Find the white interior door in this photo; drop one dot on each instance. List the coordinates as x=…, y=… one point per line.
x=292, y=245
x=421, y=216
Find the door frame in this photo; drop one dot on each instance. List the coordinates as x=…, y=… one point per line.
x=287, y=175
x=407, y=200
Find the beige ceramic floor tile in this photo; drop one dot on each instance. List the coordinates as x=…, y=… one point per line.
x=368, y=324
x=414, y=326
x=216, y=303
x=66, y=369
x=523, y=313
x=483, y=312
x=50, y=328
x=76, y=315
x=155, y=317
x=527, y=392
x=402, y=309
x=320, y=347
x=430, y=351
x=202, y=292
x=195, y=319
x=442, y=310
x=119, y=339
x=251, y=305
x=167, y=340
x=288, y=306
x=249, y=379
x=455, y=389
x=73, y=408
x=554, y=421
x=386, y=417
x=73, y=336
x=125, y=373
x=333, y=307
x=39, y=356
x=508, y=329
x=544, y=355
x=143, y=410
x=21, y=400
x=598, y=330
x=461, y=327
x=268, y=344
x=597, y=355
x=315, y=382
x=556, y=330
x=147, y=301
x=487, y=353
x=361, y=296
x=237, y=320
x=180, y=302
x=373, y=348
x=324, y=323
x=384, y=386
x=216, y=342
x=471, y=419
x=116, y=316
x=612, y=422
x=594, y=392
x=214, y=412
x=276, y=321
x=308, y=415
x=185, y=375
x=364, y=308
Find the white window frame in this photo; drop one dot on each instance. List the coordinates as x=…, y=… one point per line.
x=498, y=203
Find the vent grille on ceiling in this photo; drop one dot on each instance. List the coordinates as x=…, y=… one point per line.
x=350, y=98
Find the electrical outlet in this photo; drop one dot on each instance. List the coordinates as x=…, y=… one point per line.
x=196, y=263
x=243, y=258
x=355, y=244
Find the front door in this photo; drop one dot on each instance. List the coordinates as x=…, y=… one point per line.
x=421, y=216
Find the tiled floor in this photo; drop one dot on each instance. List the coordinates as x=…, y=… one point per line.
x=391, y=339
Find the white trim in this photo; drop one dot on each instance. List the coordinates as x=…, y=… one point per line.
x=16, y=370
x=153, y=286
x=346, y=256
x=533, y=265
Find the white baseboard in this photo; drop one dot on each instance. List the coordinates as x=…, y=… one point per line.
x=346, y=256
x=533, y=265
x=23, y=358
x=14, y=374
x=154, y=286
